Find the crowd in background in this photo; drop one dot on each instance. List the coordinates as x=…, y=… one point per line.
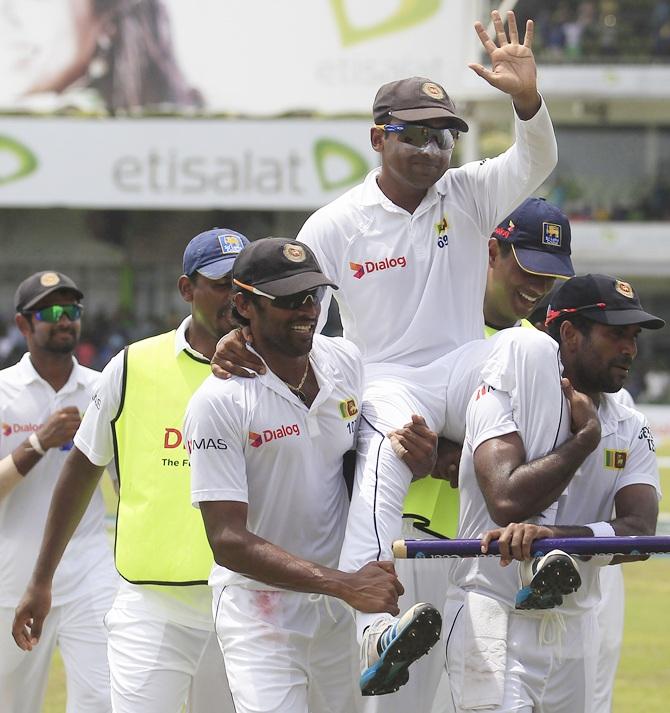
x=104, y=335
x=599, y=30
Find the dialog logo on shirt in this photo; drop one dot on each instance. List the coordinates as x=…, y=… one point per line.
x=256, y=440
x=369, y=266
x=9, y=428
x=348, y=408
x=615, y=459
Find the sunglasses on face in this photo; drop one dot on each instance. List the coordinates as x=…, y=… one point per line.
x=419, y=135
x=53, y=313
x=295, y=301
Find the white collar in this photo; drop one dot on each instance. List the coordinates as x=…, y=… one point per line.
x=28, y=374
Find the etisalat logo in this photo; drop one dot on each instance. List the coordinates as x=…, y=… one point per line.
x=338, y=165
x=404, y=14
x=256, y=440
x=16, y=160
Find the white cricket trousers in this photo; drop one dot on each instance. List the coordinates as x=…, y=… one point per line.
x=77, y=629
x=610, y=612
x=286, y=652
x=158, y=666
x=550, y=665
x=424, y=581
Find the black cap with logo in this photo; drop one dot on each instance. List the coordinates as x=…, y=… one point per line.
x=279, y=267
x=415, y=99
x=603, y=299
x=38, y=286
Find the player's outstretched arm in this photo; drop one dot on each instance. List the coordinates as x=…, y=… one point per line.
x=373, y=588
x=513, y=69
x=71, y=497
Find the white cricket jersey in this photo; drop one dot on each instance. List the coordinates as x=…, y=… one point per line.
x=625, y=456
x=26, y=402
x=254, y=441
x=411, y=286
x=440, y=392
x=189, y=605
x=541, y=416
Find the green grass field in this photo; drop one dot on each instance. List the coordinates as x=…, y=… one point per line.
x=643, y=678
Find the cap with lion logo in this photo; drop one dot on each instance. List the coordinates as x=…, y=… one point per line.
x=279, y=267
x=36, y=287
x=601, y=298
x=415, y=99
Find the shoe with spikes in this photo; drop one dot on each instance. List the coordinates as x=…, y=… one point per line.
x=545, y=580
x=389, y=648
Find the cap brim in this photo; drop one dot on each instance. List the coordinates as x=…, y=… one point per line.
x=454, y=122
x=65, y=288
x=217, y=270
x=546, y=264
x=295, y=283
x=625, y=317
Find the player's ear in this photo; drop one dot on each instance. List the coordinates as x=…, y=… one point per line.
x=377, y=139
x=243, y=304
x=569, y=335
x=185, y=285
x=24, y=324
x=494, y=251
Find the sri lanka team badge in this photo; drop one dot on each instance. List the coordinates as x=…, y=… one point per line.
x=348, y=408
x=616, y=460
x=551, y=234
x=230, y=244
x=623, y=288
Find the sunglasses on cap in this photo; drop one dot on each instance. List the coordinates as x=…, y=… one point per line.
x=295, y=301
x=419, y=135
x=553, y=314
x=55, y=312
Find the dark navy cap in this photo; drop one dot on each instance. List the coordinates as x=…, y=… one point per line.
x=601, y=298
x=39, y=285
x=539, y=233
x=279, y=267
x=213, y=252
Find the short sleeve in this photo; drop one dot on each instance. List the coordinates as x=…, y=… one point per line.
x=215, y=440
x=641, y=463
x=94, y=436
x=489, y=415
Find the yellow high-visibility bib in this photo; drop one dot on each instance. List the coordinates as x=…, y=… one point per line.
x=160, y=537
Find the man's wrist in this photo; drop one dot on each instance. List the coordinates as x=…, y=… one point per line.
x=35, y=444
x=527, y=104
x=588, y=437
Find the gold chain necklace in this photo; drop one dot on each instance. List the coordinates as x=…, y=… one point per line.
x=302, y=381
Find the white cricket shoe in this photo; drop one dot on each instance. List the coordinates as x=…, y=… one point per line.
x=388, y=649
x=544, y=580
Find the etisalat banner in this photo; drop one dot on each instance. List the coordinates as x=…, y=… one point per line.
x=181, y=163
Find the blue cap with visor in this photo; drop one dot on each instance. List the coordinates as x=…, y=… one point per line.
x=212, y=253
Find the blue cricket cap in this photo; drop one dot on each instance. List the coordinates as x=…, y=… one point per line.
x=213, y=252
x=539, y=233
